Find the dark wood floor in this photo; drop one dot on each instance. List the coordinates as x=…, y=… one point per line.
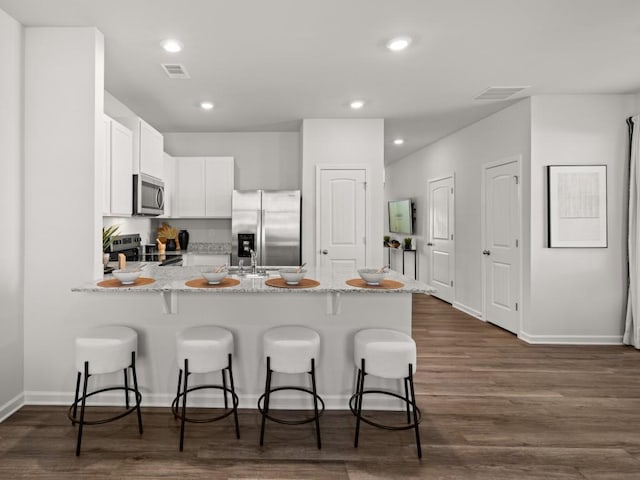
x=494, y=408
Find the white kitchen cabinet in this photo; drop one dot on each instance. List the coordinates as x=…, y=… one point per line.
x=118, y=190
x=169, y=185
x=148, y=147
x=204, y=187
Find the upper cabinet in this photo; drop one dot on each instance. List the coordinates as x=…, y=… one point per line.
x=118, y=191
x=169, y=185
x=148, y=148
x=203, y=187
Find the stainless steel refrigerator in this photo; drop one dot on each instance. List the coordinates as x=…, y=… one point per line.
x=268, y=222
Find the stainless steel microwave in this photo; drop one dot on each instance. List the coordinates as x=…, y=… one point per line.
x=148, y=195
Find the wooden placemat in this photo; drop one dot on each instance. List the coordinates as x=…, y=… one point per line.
x=203, y=283
x=115, y=283
x=280, y=283
x=385, y=284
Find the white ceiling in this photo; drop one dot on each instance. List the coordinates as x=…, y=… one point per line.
x=267, y=64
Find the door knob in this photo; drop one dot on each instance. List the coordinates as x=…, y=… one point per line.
x=429, y=244
x=325, y=252
x=486, y=252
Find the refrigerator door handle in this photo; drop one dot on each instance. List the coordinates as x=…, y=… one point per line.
x=262, y=239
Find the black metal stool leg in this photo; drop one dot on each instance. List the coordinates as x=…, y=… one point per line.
x=84, y=400
x=126, y=388
x=135, y=390
x=265, y=410
x=359, y=393
x=233, y=398
x=315, y=401
x=178, y=393
x=406, y=396
x=184, y=402
x=75, y=404
x=415, y=411
x=224, y=385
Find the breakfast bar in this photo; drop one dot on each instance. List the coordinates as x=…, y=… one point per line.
x=328, y=303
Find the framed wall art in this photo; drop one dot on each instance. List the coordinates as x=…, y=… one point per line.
x=577, y=205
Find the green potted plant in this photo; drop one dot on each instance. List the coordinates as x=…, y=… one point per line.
x=108, y=234
x=407, y=243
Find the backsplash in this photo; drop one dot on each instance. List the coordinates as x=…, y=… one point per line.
x=201, y=230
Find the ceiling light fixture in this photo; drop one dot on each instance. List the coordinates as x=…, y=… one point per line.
x=206, y=105
x=357, y=104
x=172, y=46
x=398, y=141
x=398, y=44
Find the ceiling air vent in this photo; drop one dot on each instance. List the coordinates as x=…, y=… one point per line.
x=498, y=93
x=175, y=70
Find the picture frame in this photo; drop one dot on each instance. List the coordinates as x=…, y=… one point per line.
x=577, y=206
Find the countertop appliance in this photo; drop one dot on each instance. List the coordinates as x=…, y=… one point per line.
x=266, y=222
x=148, y=195
x=129, y=244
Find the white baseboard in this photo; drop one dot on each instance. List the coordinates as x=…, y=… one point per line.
x=293, y=401
x=571, y=339
x=11, y=407
x=467, y=310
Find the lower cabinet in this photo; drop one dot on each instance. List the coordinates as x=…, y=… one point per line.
x=203, y=187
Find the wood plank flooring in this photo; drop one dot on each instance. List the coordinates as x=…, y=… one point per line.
x=493, y=408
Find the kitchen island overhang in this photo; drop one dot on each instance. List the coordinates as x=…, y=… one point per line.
x=334, y=309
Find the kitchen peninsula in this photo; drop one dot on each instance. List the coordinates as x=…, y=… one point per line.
x=333, y=308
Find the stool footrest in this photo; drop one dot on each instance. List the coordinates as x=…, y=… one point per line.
x=285, y=421
x=406, y=426
x=100, y=421
x=177, y=412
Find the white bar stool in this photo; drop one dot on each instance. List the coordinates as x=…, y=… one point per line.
x=105, y=350
x=386, y=354
x=291, y=349
x=204, y=349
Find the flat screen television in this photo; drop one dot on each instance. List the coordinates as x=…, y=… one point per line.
x=401, y=216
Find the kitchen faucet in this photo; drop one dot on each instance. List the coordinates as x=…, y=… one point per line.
x=253, y=261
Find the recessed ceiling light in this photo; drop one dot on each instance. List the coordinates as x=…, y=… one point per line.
x=357, y=104
x=206, y=105
x=172, y=46
x=398, y=141
x=398, y=44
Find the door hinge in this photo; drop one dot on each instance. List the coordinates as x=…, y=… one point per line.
x=452, y=236
x=451, y=190
x=516, y=306
x=364, y=184
x=452, y=283
x=517, y=180
x=516, y=243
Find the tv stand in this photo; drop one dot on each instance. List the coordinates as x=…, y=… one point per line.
x=404, y=253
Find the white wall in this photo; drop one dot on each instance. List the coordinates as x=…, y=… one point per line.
x=63, y=136
x=463, y=153
x=339, y=141
x=12, y=199
x=263, y=160
x=579, y=294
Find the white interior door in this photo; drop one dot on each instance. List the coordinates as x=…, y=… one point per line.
x=501, y=246
x=341, y=219
x=440, y=243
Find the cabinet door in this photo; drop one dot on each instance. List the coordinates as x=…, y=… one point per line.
x=169, y=186
x=219, y=186
x=106, y=167
x=189, y=192
x=151, y=150
x=121, y=170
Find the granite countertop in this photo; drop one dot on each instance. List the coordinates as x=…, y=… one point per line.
x=172, y=279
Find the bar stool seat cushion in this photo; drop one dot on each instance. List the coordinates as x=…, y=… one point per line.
x=206, y=347
x=387, y=353
x=107, y=349
x=291, y=348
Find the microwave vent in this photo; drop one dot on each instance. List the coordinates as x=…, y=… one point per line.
x=175, y=70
